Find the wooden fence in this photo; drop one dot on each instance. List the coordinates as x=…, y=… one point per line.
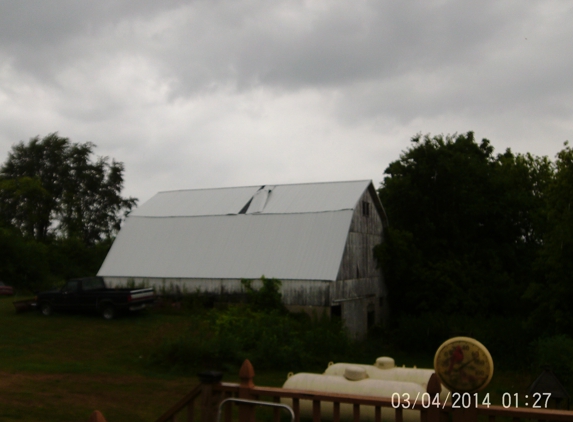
x=203, y=401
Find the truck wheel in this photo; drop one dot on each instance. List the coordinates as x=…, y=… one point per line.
x=108, y=312
x=46, y=308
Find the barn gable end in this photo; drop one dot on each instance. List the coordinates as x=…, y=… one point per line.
x=359, y=290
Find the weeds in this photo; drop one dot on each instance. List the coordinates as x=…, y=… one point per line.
x=260, y=330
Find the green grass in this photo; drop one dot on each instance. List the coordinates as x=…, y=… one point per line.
x=63, y=367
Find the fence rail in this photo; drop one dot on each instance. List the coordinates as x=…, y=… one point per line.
x=203, y=401
x=187, y=402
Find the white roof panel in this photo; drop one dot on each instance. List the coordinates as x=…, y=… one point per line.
x=303, y=246
x=196, y=202
x=315, y=197
x=280, y=199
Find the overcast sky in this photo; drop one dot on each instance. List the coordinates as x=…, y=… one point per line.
x=209, y=93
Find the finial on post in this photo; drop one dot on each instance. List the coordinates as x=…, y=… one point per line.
x=434, y=385
x=96, y=416
x=246, y=374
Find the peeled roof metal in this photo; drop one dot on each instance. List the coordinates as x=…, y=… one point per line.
x=292, y=246
x=281, y=199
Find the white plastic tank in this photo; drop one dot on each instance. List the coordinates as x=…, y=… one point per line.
x=385, y=369
x=354, y=381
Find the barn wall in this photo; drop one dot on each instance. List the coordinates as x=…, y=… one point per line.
x=359, y=287
x=365, y=233
x=294, y=292
x=356, y=313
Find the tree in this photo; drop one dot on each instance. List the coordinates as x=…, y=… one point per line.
x=24, y=263
x=50, y=188
x=552, y=291
x=464, y=226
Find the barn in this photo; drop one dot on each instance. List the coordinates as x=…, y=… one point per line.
x=317, y=238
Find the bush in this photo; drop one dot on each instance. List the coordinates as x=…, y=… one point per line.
x=29, y=265
x=556, y=353
x=23, y=263
x=273, y=339
x=72, y=258
x=504, y=336
x=262, y=331
x=266, y=299
x=197, y=348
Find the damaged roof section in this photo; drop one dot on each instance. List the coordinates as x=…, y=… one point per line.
x=267, y=199
x=259, y=201
x=196, y=202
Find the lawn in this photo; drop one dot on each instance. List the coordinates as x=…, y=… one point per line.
x=63, y=367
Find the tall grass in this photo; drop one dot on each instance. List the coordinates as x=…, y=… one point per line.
x=260, y=330
x=269, y=339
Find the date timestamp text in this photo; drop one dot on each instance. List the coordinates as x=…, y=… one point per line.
x=535, y=401
x=467, y=400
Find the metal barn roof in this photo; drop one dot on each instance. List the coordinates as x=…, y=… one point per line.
x=280, y=199
x=290, y=232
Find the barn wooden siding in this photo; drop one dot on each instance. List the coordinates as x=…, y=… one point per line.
x=313, y=293
x=359, y=288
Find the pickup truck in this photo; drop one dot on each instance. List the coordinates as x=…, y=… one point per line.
x=91, y=294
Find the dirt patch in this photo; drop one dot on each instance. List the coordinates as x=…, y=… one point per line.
x=105, y=392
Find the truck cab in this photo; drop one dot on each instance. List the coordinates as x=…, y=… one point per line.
x=91, y=294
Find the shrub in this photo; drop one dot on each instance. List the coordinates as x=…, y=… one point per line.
x=504, y=336
x=24, y=263
x=266, y=299
x=555, y=352
x=262, y=331
x=219, y=338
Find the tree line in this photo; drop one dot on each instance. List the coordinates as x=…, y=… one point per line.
x=60, y=209
x=478, y=243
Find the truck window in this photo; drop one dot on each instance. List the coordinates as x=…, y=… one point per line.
x=93, y=284
x=71, y=287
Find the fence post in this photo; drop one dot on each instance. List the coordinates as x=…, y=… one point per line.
x=208, y=399
x=432, y=413
x=246, y=375
x=463, y=414
x=96, y=416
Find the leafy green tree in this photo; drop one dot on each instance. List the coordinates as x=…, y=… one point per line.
x=19, y=207
x=24, y=263
x=72, y=258
x=464, y=226
x=50, y=188
x=552, y=291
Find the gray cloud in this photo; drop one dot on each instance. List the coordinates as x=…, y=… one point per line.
x=289, y=46
x=212, y=92
x=204, y=44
